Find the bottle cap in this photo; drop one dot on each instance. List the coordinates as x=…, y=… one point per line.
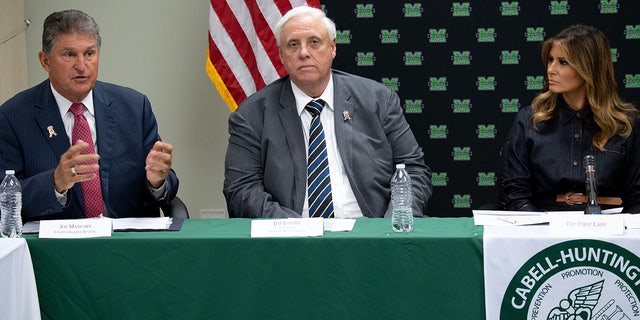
x=10, y=172
x=400, y=166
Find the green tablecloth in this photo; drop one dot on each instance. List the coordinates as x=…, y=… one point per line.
x=212, y=269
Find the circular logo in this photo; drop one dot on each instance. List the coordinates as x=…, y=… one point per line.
x=575, y=280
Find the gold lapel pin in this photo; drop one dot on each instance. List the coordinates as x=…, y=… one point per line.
x=52, y=133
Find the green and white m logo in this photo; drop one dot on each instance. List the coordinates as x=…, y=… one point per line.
x=486, y=131
x=438, y=131
x=534, y=34
x=412, y=10
x=389, y=36
x=614, y=54
x=510, y=57
x=486, y=35
x=413, y=106
x=391, y=83
x=559, y=7
x=461, y=201
x=461, y=153
x=343, y=37
x=461, y=58
x=461, y=105
x=534, y=82
x=510, y=105
x=364, y=10
x=608, y=6
x=437, y=35
x=461, y=9
x=439, y=179
x=486, y=179
x=486, y=83
x=438, y=84
x=631, y=81
x=632, y=32
x=413, y=58
x=365, y=59
x=509, y=8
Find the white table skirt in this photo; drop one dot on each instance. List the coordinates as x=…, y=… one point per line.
x=530, y=272
x=18, y=293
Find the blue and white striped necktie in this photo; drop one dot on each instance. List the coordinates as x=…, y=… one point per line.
x=318, y=178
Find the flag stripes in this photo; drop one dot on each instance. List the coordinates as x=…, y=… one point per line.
x=243, y=55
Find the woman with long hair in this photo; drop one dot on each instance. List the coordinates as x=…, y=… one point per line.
x=578, y=113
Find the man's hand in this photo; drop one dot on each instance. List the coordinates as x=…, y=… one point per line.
x=75, y=167
x=158, y=163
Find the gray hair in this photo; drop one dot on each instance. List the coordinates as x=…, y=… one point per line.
x=68, y=22
x=302, y=11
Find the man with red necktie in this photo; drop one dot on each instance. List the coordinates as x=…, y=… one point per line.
x=82, y=147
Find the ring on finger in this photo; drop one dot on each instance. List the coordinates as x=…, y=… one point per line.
x=73, y=171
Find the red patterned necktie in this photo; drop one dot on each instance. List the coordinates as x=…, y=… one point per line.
x=91, y=190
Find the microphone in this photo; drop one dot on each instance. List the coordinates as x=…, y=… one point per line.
x=589, y=164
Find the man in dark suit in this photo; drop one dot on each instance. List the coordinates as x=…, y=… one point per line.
x=363, y=123
x=119, y=163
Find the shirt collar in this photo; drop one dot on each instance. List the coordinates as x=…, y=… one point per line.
x=567, y=114
x=302, y=98
x=64, y=104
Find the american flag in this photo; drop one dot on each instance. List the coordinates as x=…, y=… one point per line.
x=243, y=54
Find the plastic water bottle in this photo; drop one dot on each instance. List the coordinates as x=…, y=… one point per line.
x=401, y=198
x=10, y=206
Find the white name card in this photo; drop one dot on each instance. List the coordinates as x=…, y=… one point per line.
x=338, y=225
x=271, y=228
x=593, y=224
x=75, y=228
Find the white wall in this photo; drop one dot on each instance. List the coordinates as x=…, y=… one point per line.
x=13, y=49
x=158, y=47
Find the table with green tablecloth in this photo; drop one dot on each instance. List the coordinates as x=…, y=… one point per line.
x=213, y=269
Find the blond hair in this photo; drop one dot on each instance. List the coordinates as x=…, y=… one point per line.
x=588, y=51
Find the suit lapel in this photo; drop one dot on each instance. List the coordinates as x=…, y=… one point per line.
x=49, y=121
x=343, y=106
x=292, y=127
x=105, y=132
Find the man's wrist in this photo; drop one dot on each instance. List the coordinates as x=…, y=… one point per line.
x=61, y=196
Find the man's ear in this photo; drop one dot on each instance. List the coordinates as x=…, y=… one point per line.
x=44, y=60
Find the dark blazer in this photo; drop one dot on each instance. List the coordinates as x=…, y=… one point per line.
x=265, y=165
x=126, y=131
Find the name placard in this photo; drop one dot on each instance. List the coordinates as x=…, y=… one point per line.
x=75, y=228
x=595, y=224
x=303, y=227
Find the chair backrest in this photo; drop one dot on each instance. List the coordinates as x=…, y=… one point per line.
x=175, y=209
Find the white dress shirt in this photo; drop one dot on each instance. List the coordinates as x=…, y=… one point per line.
x=345, y=204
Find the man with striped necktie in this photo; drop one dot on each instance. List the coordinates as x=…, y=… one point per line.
x=318, y=142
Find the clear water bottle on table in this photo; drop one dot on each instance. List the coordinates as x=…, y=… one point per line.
x=401, y=200
x=10, y=206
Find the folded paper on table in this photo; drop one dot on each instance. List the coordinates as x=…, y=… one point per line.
x=514, y=218
x=338, y=225
x=521, y=218
x=126, y=224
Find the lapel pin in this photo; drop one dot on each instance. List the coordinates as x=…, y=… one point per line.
x=346, y=116
x=52, y=133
